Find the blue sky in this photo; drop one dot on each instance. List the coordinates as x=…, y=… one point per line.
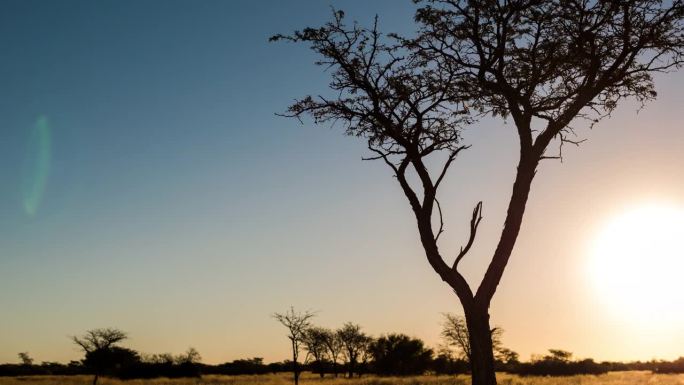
x=179, y=208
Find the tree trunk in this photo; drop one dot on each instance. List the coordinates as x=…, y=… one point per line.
x=294, y=363
x=296, y=372
x=95, y=379
x=481, y=352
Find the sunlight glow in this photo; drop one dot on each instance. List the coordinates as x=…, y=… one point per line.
x=637, y=265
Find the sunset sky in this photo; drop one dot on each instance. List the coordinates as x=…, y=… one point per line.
x=148, y=185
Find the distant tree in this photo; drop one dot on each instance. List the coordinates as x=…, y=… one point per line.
x=507, y=356
x=455, y=334
x=334, y=345
x=297, y=323
x=315, y=340
x=191, y=356
x=162, y=358
x=545, y=64
x=559, y=355
x=560, y=363
x=99, y=339
x=101, y=352
x=446, y=363
x=354, y=344
x=25, y=359
x=365, y=357
x=400, y=355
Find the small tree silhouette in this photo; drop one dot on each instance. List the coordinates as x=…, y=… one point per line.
x=399, y=354
x=334, y=346
x=355, y=345
x=315, y=345
x=25, y=359
x=101, y=352
x=455, y=334
x=297, y=324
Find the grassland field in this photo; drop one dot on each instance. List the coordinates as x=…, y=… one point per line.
x=613, y=378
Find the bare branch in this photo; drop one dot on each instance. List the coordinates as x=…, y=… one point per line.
x=474, y=223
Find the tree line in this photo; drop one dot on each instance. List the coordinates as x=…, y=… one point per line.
x=346, y=351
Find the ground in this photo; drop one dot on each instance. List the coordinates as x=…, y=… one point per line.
x=615, y=378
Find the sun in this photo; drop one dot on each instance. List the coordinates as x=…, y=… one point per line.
x=637, y=264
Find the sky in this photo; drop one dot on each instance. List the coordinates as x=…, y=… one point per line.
x=147, y=185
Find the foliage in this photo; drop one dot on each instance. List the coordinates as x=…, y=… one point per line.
x=546, y=64
x=25, y=358
x=400, y=355
x=455, y=335
x=676, y=366
x=355, y=347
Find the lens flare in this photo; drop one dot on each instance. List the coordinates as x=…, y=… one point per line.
x=36, y=166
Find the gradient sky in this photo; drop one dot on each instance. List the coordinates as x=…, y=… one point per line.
x=147, y=185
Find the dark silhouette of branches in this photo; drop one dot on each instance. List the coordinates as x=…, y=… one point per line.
x=297, y=324
x=355, y=345
x=99, y=339
x=408, y=110
x=315, y=342
x=545, y=64
x=334, y=348
x=455, y=334
x=25, y=358
x=101, y=352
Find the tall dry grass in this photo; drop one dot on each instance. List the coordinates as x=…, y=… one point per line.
x=615, y=378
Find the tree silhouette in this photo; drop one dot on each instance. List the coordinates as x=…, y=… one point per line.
x=191, y=357
x=399, y=354
x=334, y=346
x=559, y=355
x=315, y=339
x=355, y=344
x=546, y=64
x=101, y=352
x=25, y=359
x=455, y=334
x=297, y=323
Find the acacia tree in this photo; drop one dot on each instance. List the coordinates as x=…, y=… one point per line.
x=25, y=358
x=546, y=64
x=297, y=323
x=101, y=352
x=315, y=343
x=399, y=354
x=334, y=348
x=355, y=344
x=455, y=334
